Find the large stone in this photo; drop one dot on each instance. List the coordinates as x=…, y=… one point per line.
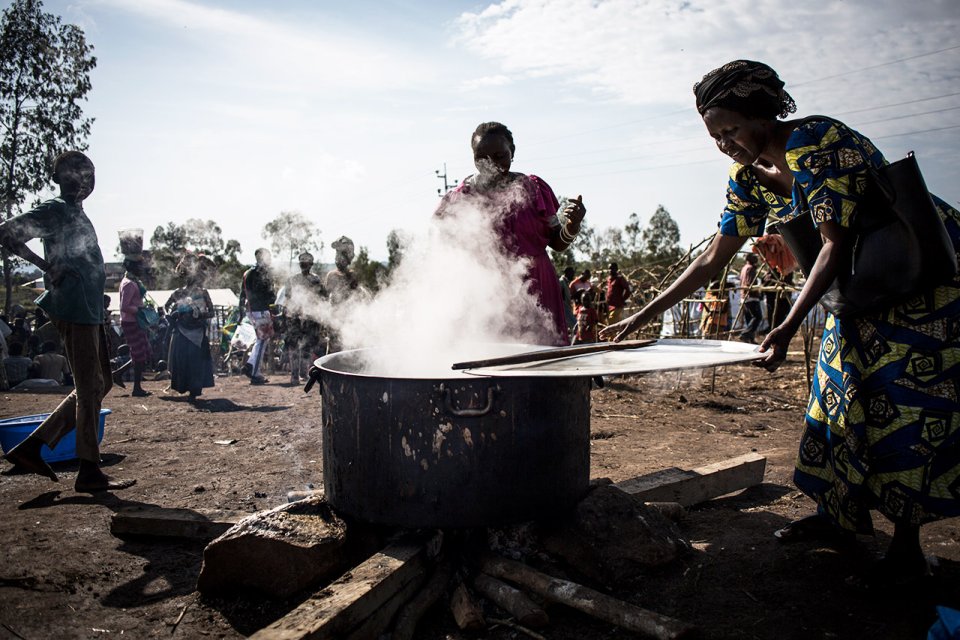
x=613, y=536
x=277, y=552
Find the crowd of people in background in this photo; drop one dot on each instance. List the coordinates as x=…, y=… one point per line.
x=178, y=337
x=763, y=299
x=175, y=340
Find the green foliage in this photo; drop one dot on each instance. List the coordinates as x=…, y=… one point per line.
x=290, y=234
x=169, y=244
x=44, y=76
x=563, y=259
x=369, y=273
x=651, y=248
x=661, y=239
x=395, y=246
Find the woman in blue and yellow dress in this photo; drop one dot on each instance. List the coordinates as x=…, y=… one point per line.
x=882, y=429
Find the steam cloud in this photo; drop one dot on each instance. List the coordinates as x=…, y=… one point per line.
x=454, y=296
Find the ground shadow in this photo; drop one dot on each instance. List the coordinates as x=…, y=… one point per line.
x=740, y=574
x=172, y=566
x=755, y=496
x=224, y=405
x=68, y=466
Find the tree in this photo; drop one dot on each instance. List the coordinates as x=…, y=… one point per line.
x=661, y=239
x=44, y=76
x=632, y=240
x=585, y=243
x=369, y=272
x=290, y=234
x=395, y=245
x=168, y=244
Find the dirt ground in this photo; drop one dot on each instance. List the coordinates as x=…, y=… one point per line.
x=63, y=575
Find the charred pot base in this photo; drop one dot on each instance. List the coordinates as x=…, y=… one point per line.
x=454, y=453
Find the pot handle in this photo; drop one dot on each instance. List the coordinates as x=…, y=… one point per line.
x=466, y=413
x=313, y=374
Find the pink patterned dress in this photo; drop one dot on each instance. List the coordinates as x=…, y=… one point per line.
x=524, y=229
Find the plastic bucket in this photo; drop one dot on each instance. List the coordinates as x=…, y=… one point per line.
x=13, y=431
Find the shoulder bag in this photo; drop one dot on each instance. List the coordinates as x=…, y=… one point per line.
x=899, y=249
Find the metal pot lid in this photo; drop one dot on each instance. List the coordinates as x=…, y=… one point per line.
x=414, y=361
x=665, y=355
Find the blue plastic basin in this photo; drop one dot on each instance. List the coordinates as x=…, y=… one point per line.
x=13, y=431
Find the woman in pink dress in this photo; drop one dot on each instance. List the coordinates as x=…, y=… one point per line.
x=529, y=220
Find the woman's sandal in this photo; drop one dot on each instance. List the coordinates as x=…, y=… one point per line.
x=812, y=528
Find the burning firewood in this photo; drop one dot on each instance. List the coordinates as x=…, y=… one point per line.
x=589, y=601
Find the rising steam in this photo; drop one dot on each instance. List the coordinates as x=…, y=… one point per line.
x=456, y=290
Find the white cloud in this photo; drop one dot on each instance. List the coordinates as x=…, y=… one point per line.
x=476, y=84
x=650, y=52
x=247, y=50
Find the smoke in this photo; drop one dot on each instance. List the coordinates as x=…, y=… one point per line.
x=457, y=293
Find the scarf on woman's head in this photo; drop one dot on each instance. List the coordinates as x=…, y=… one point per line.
x=747, y=87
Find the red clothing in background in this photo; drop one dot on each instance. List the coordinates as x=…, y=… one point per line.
x=618, y=290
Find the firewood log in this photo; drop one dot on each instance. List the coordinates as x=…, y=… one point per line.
x=412, y=612
x=512, y=601
x=589, y=601
x=465, y=610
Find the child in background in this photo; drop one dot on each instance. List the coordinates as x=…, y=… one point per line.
x=73, y=279
x=716, y=310
x=587, y=317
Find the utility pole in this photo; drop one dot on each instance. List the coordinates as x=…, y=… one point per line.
x=447, y=184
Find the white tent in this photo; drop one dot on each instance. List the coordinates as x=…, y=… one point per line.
x=219, y=297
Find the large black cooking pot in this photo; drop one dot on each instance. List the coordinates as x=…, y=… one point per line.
x=451, y=451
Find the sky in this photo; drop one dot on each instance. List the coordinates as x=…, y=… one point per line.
x=347, y=112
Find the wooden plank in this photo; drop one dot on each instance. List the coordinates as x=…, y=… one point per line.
x=380, y=622
x=339, y=609
x=700, y=484
x=172, y=523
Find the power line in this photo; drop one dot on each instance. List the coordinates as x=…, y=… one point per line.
x=909, y=115
x=698, y=137
x=698, y=148
x=698, y=162
x=898, y=104
x=799, y=84
x=876, y=66
x=910, y=133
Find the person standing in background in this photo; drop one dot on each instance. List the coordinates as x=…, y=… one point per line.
x=190, y=310
x=565, y=280
x=618, y=293
x=752, y=311
x=256, y=296
x=303, y=291
x=132, y=293
x=340, y=283
x=581, y=283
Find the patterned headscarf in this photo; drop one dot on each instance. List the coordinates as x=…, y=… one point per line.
x=747, y=87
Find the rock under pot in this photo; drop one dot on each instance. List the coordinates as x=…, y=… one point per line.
x=454, y=450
